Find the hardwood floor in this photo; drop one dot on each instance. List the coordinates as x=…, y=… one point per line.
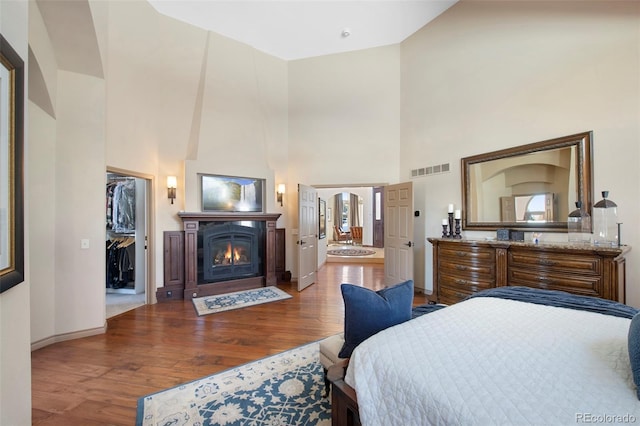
x=97, y=380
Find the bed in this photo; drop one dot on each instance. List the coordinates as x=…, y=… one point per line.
x=495, y=359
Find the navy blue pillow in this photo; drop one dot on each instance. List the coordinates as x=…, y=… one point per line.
x=367, y=312
x=634, y=350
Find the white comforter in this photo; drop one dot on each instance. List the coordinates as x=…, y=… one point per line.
x=493, y=361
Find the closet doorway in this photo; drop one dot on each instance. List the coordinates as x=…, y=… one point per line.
x=127, y=274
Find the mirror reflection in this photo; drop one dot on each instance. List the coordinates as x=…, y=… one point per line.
x=532, y=186
x=528, y=208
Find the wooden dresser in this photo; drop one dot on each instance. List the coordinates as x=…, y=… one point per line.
x=463, y=267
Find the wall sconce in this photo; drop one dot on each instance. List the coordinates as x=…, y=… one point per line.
x=280, y=192
x=172, y=183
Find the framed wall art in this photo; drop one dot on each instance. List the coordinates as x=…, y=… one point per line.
x=11, y=167
x=322, y=218
x=231, y=193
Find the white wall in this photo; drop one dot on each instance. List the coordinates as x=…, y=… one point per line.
x=42, y=178
x=344, y=118
x=245, y=127
x=15, y=359
x=490, y=75
x=80, y=140
x=66, y=192
x=41, y=195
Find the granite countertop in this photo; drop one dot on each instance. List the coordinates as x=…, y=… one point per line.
x=542, y=245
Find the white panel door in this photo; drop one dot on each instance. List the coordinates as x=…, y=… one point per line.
x=307, y=236
x=398, y=233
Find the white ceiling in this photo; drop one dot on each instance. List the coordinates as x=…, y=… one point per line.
x=295, y=29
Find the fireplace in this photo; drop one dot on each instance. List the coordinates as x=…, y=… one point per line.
x=225, y=252
x=230, y=252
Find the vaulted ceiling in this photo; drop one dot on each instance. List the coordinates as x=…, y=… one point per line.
x=295, y=29
x=287, y=29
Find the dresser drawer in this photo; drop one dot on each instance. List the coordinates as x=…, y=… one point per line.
x=467, y=254
x=552, y=262
x=471, y=283
x=465, y=268
x=587, y=285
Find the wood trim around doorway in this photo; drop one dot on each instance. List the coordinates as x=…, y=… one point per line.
x=150, y=285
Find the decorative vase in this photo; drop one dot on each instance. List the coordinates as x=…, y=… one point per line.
x=605, y=222
x=579, y=225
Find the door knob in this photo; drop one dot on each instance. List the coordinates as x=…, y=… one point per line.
x=408, y=244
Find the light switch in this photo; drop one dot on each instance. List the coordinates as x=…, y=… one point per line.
x=84, y=243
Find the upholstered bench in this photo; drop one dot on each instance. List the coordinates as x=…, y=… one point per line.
x=330, y=347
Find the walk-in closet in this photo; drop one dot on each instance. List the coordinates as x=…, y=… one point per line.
x=125, y=243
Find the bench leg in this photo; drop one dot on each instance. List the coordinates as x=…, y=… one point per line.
x=327, y=383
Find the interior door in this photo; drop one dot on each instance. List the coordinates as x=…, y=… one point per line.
x=307, y=236
x=398, y=233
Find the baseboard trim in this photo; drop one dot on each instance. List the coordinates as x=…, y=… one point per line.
x=68, y=336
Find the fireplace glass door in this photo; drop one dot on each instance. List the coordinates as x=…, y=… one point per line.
x=226, y=251
x=230, y=252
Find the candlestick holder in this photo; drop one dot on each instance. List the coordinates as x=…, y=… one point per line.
x=457, y=234
x=444, y=231
x=450, y=225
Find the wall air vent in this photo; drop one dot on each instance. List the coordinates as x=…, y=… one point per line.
x=430, y=170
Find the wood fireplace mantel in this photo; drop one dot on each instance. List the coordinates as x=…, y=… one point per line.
x=191, y=223
x=210, y=217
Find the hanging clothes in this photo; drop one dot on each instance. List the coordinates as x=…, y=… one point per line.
x=121, y=205
x=120, y=263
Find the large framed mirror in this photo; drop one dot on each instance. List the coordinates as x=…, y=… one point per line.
x=531, y=187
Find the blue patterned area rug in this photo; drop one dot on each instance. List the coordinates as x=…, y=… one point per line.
x=283, y=389
x=239, y=299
